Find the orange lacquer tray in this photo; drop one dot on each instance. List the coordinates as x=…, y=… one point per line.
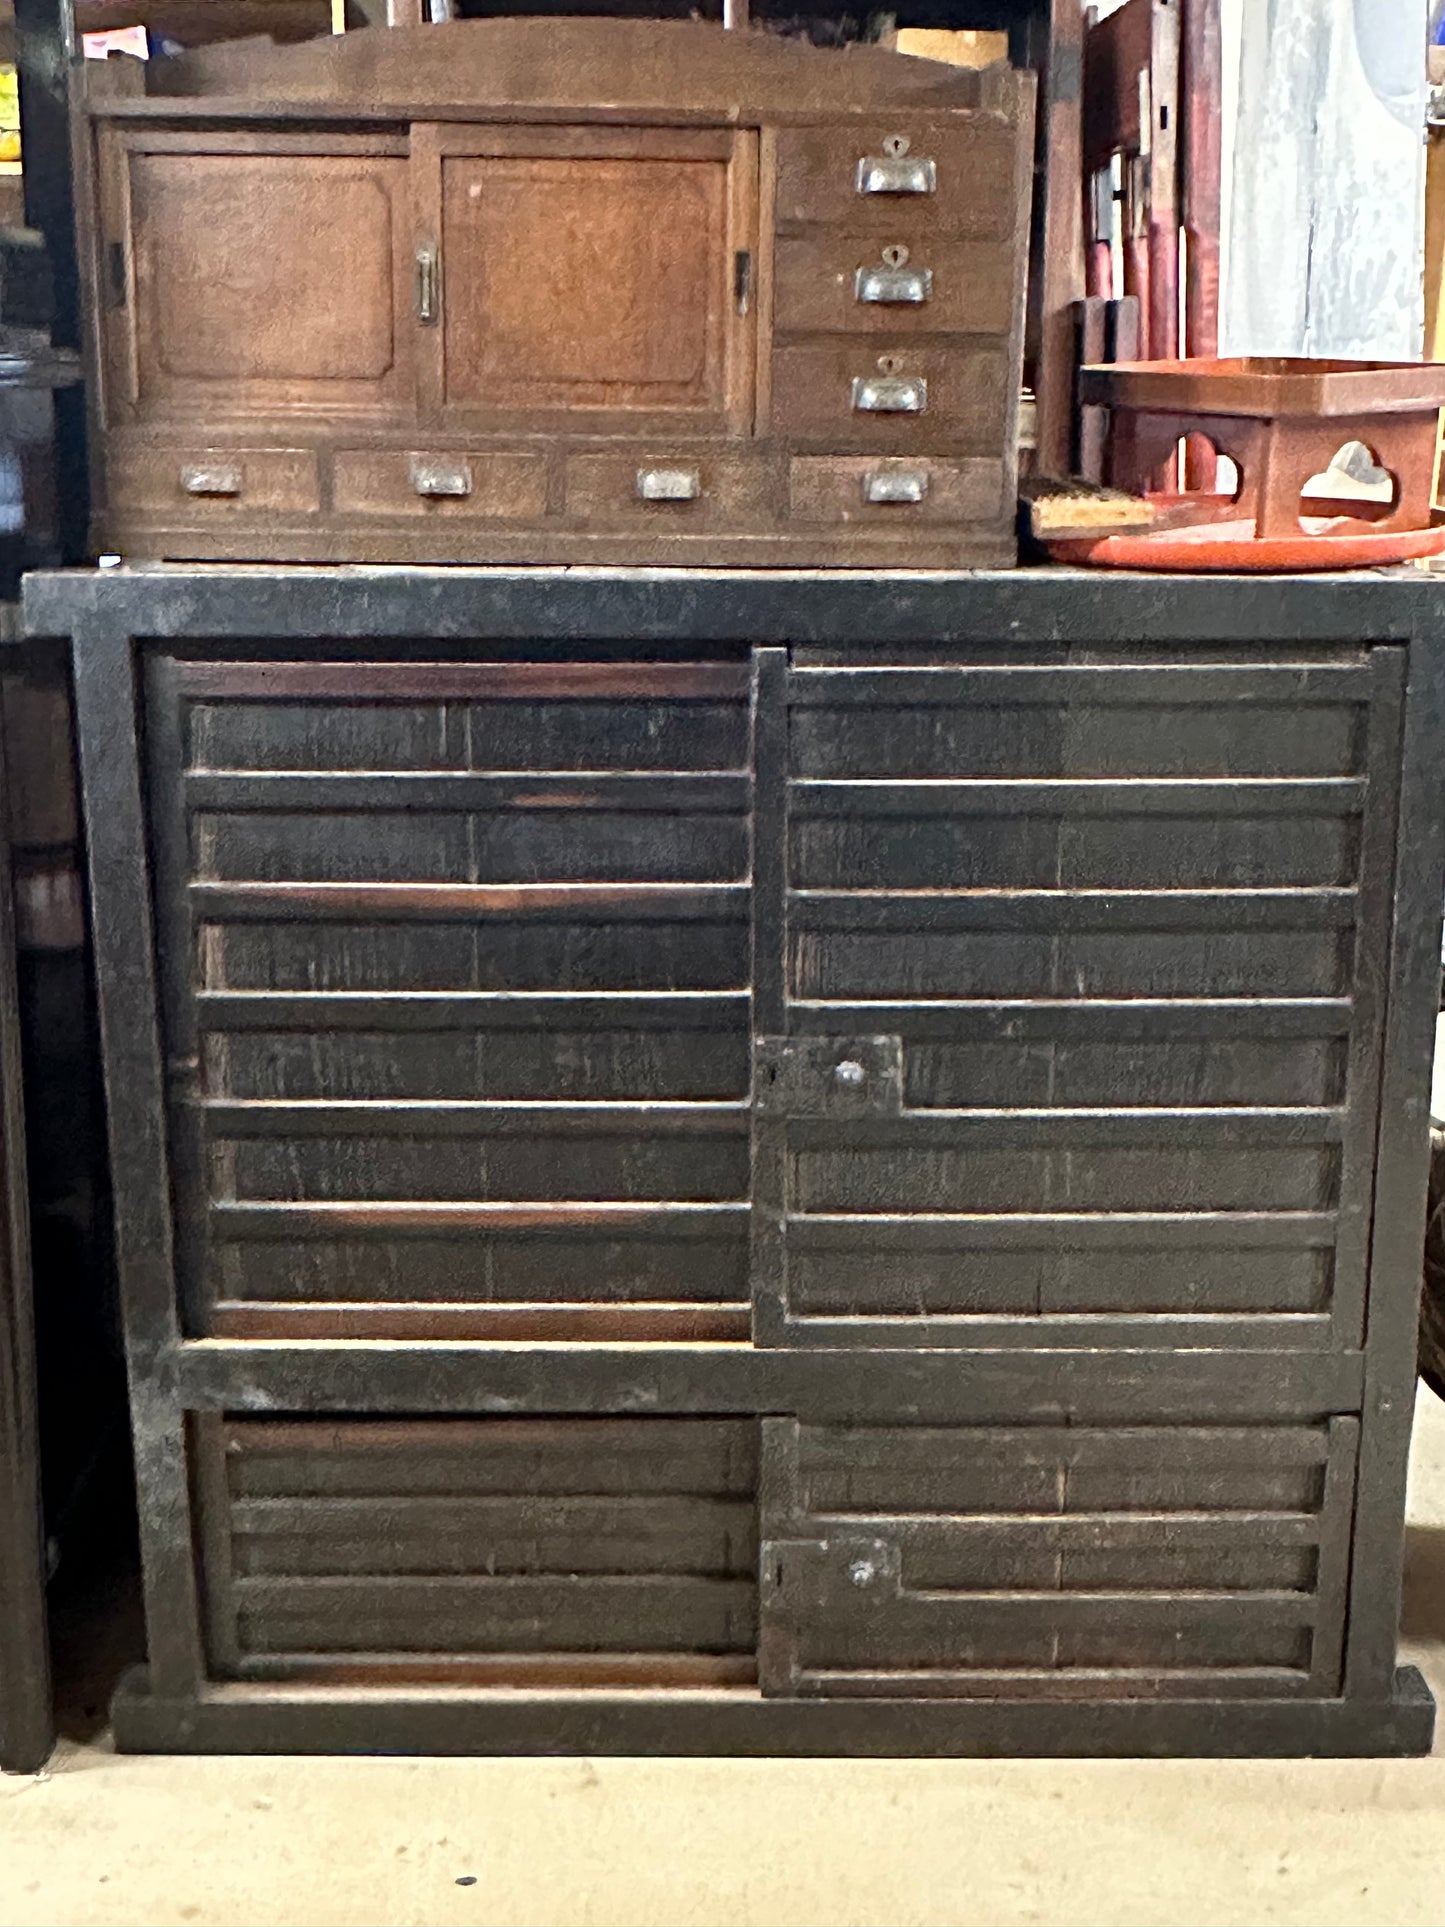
x=1232, y=548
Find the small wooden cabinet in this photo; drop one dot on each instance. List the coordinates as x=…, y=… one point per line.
x=556, y=291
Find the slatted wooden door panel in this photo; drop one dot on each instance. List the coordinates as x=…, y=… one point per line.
x=1059, y=1562
x=601, y=1552
x=1074, y=1012
x=455, y=967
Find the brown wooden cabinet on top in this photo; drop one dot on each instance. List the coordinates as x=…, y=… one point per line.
x=555, y=291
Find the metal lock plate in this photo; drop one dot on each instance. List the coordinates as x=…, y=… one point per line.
x=896, y=174
x=890, y=394
x=222, y=479
x=906, y=485
x=894, y=287
x=828, y=1076
x=441, y=478
x=669, y=484
x=848, y=1572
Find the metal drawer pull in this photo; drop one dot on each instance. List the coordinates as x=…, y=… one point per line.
x=907, y=287
x=441, y=478
x=895, y=485
x=428, y=299
x=889, y=174
x=668, y=484
x=224, y=480
x=890, y=394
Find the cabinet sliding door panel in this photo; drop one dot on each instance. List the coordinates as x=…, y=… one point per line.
x=1082, y=1013
x=456, y=996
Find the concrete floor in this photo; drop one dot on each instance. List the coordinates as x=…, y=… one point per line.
x=850, y=1843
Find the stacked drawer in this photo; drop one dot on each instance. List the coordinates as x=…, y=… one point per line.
x=893, y=302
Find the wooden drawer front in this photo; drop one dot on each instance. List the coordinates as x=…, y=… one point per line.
x=209, y=484
x=1093, y=935
x=823, y=283
x=964, y=398
x=658, y=488
x=894, y=493
x=532, y=1551
x=472, y=1045
x=824, y=174
x=1043, y=1562
x=430, y=482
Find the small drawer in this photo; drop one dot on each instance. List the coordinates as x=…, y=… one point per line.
x=658, y=488
x=955, y=176
x=214, y=482
x=907, y=397
x=427, y=482
x=893, y=492
x=908, y=280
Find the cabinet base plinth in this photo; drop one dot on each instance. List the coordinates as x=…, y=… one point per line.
x=286, y=1719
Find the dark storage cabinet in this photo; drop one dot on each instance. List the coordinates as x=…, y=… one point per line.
x=850, y=1154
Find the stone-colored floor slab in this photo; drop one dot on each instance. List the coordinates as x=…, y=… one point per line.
x=104, y=1842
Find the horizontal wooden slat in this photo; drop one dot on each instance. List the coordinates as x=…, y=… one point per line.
x=467, y=902
x=1188, y=1172
x=611, y=1165
x=534, y=1672
x=1079, y=1531
x=422, y=1010
x=594, y=1324
x=1078, y=796
x=913, y=1231
x=472, y=1280
x=349, y=682
x=541, y=1219
x=450, y=1458
x=597, y=1612
x=1083, y=684
x=1157, y=1331
x=499, y=849
x=1067, y=910
x=1163, y=1682
x=477, y=790
x=420, y=1118
x=279, y=948
x=1195, y=1450
x=1041, y=1130
x=1096, y=1019
x=498, y=1535
x=509, y=1063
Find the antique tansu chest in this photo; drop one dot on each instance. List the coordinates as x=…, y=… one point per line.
x=530, y=291
x=761, y=1160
